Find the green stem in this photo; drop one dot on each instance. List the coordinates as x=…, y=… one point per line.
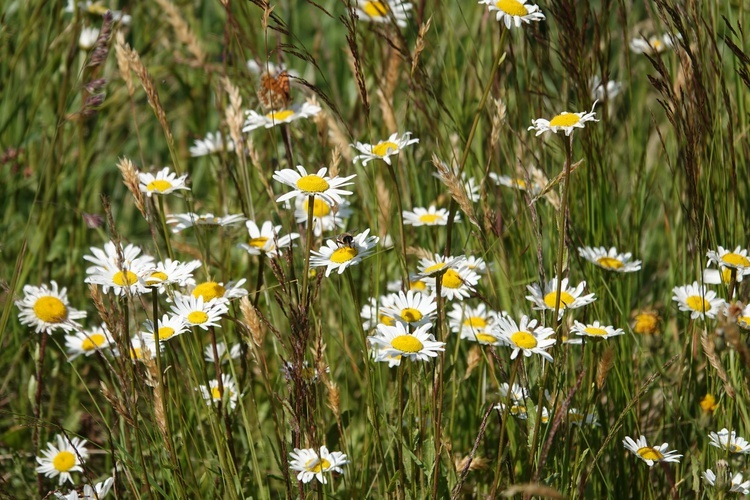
x=561, y=229
x=402, y=259
x=437, y=393
x=504, y=420
x=308, y=247
x=164, y=230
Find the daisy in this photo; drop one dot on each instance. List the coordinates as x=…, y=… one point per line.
x=744, y=318
x=213, y=143
x=648, y=454
x=729, y=441
x=734, y=260
x=221, y=349
x=143, y=347
x=184, y=221
x=270, y=68
x=525, y=337
x=325, y=217
x=311, y=463
x=428, y=217
x=128, y=279
x=472, y=322
x=577, y=418
x=415, y=283
x=372, y=314
x=518, y=394
x=735, y=483
x=476, y=264
x=87, y=38
x=212, y=394
x=565, y=121
x=455, y=283
x=697, y=301
x=654, y=44
x=87, y=342
x=382, y=354
x=601, y=92
x=516, y=409
x=198, y=313
x=610, y=260
x=723, y=275
x=61, y=460
x=417, y=345
x=169, y=327
x=256, y=120
x=411, y=308
x=109, y=256
x=437, y=265
x=164, y=182
x=98, y=491
x=515, y=183
x=266, y=239
x=593, y=331
x=380, y=11
x=305, y=185
x=570, y=298
x=383, y=150
x=337, y=256
x=514, y=12
x=47, y=309
x=172, y=272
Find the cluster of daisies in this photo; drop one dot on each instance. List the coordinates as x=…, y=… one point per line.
x=65, y=455
x=516, y=400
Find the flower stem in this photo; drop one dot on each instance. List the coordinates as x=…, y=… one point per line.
x=38, y=407
x=562, y=227
x=308, y=247
x=402, y=236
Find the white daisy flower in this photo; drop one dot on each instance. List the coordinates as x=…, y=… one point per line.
x=186, y=220
x=211, y=290
x=516, y=409
x=372, y=313
x=610, y=260
x=437, y=265
x=164, y=182
x=738, y=486
x=256, y=120
x=514, y=12
x=382, y=354
x=62, y=459
x=736, y=259
x=593, y=331
x=337, y=256
x=396, y=340
x=428, y=217
x=565, y=121
x=570, y=298
x=601, y=92
x=213, y=143
x=744, y=318
x=382, y=11
x=455, y=283
x=518, y=393
x=109, y=256
x=171, y=272
x=411, y=308
x=325, y=217
x=270, y=68
x=517, y=182
x=649, y=454
x=87, y=342
x=722, y=276
x=654, y=44
x=221, y=349
x=473, y=323
x=266, y=239
x=87, y=38
x=735, y=483
x=305, y=185
x=526, y=337
x=578, y=418
x=471, y=188
x=97, y=492
x=729, y=441
x=476, y=264
x=416, y=284
x=128, y=279
x=698, y=301
x=47, y=309
x=212, y=394
x=198, y=313
x=383, y=150
x=142, y=347
x=311, y=463
x=169, y=327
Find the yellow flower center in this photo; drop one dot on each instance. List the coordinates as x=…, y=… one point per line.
x=698, y=303
x=649, y=453
x=516, y=410
x=646, y=323
x=609, y=263
x=64, y=461
x=417, y=285
x=343, y=254
x=197, y=317
x=411, y=315
x=407, y=343
x=312, y=184
x=258, y=242
x=451, y=279
x=564, y=120
x=524, y=340
x=656, y=44
x=156, y=278
x=430, y=218
x=550, y=300
x=383, y=148
x=708, y=403
x=279, y=116
x=520, y=183
x=744, y=321
x=320, y=207
x=512, y=7
x=158, y=185
x=475, y=322
x=137, y=353
x=317, y=465
x=735, y=259
x=591, y=330
x=387, y=320
x=93, y=341
x=165, y=332
x=215, y=393
x=435, y=267
x=733, y=448
x=50, y=309
x=124, y=278
x=486, y=338
x=209, y=291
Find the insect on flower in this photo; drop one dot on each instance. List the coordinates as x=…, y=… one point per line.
x=274, y=90
x=345, y=240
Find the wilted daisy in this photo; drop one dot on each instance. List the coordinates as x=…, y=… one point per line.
x=164, y=182
x=382, y=11
x=221, y=349
x=698, y=301
x=271, y=119
x=418, y=345
x=654, y=44
x=318, y=184
x=311, y=463
x=334, y=255
x=411, y=308
x=473, y=323
x=213, y=143
x=171, y=272
x=729, y=441
x=736, y=259
x=46, y=309
x=87, y=342
x=62, y=459
x=514, y=12
x=428, y=217
x=610, y=259
x=649, y=454
x=197, y=312
x=525, y=337
x=97, y=492
x=186, y=220
x=565, y=121
x=735, y=483
x=570, y=298
x=87, y=38
x=593, y=331
x=212, y=394
x=383, y=150
x=325, y=217
x=601, y=92
x=169, y=327
x=266, y=239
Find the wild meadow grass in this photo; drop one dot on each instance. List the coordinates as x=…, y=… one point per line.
x=495, y=299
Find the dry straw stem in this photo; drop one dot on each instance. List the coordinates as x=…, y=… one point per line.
x=710, y=350
x=182, y=30
x=251, y=320
x=234, y=115
x=419, y=44
x=333, y=166
x=498, y=118
x=456, y=189
x=130, y=178
x=152, y=95
x=389, y=118
x=472, y=361
x=122, y=53
x=420, y=253
x=604, y=366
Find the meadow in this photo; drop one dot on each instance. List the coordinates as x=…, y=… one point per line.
x=374, y=249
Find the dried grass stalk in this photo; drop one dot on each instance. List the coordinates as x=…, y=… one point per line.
x=419, y=44
x=184, y=34
x=122, y=53
x=130, y=178
x=604, y=366
x=456, y=189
